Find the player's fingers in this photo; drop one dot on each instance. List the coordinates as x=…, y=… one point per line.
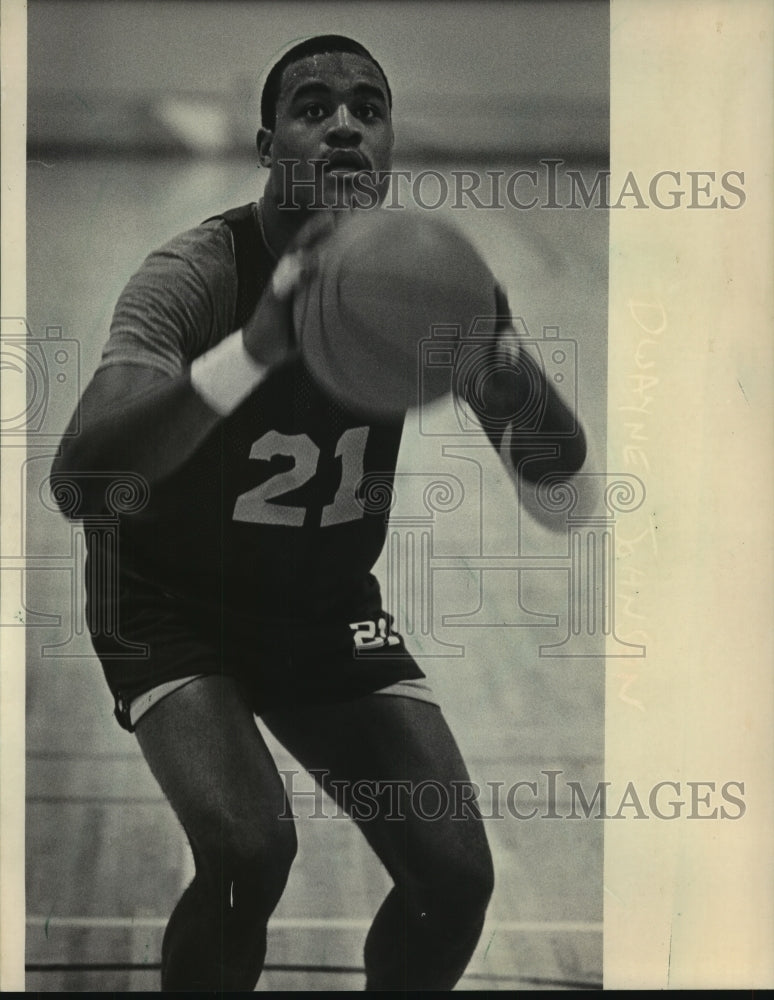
x=292, y=270
x=288, y=273
x=319, y=227
x=300, y=261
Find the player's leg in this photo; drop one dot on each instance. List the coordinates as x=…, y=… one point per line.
x=203, y=746
x=429, y=924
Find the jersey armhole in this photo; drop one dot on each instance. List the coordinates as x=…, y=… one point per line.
x=250, y=257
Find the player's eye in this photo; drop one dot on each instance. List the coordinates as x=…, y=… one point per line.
x=368, y=112
x=314, y=111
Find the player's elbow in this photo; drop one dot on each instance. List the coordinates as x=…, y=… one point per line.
x=573, y=454
x=554, y=456
x=64, y=484
x=71, y=483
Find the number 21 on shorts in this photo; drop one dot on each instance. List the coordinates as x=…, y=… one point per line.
x=373, y=634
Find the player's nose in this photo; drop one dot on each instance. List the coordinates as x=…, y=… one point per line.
x=344, y=126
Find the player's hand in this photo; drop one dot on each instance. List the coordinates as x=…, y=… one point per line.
x=269, y=335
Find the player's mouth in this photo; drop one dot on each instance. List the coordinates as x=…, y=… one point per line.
x=347, y=161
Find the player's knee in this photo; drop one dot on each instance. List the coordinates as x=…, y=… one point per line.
x=469, y=881
x=462, y=880
x=248, y=868
x=264, y=854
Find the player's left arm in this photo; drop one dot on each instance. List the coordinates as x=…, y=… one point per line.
x=534, y=431
x=554, y=441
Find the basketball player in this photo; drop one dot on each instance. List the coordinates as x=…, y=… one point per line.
x=248, y=574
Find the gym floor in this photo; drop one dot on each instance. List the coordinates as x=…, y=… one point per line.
x=106, y=858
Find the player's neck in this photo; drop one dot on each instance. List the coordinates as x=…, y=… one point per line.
x=278, y=226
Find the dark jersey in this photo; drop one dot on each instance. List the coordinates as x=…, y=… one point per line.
x=285, y=504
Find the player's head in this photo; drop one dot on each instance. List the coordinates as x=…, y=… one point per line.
x=326, y=114
x=322, y=44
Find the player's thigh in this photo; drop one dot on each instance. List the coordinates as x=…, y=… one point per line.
x=204, y=748
x=394, y=765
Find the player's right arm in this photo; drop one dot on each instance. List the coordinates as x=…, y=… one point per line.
x=157, y=395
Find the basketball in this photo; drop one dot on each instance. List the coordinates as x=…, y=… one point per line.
x=385, y=281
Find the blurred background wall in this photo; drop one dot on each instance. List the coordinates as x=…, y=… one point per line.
x=503, y=78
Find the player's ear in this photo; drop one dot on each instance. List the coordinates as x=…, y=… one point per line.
x=263, y=141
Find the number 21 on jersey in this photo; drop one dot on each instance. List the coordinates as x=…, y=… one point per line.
x=254, y=506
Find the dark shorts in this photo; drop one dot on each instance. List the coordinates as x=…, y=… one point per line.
x=158, y=635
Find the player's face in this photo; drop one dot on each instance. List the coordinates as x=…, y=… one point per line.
x=333, y=109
